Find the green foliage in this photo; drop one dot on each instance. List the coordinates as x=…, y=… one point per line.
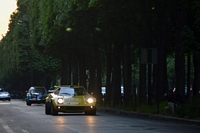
x=189, y=110
x=70, y=31
x=45, y=63
x=196, y=8
x=153, y=109
x=142, y=108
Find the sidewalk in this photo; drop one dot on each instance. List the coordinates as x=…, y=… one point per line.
x=149, y=116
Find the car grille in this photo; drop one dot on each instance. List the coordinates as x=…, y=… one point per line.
x=75, y=108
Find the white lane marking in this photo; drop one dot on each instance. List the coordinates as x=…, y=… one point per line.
x=24, y=131
x=6, y=127
x=4, y=103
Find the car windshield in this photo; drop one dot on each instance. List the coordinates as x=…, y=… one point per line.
x=39, y=90
x=73, y=91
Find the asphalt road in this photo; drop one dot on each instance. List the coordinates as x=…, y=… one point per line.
x=17, y=117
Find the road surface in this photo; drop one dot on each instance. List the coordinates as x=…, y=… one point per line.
x=17, y=117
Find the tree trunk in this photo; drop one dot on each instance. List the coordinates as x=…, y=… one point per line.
x=116, y=75
x=179, y=54
x=82, y=65
x=64, y=76
x=127, y=75
x=98, y=77
x=142, y=84
x=108, y=75
x=188, y=75
x=75, y=73
x=91, y=86
x=196, y=85
x=161, y=65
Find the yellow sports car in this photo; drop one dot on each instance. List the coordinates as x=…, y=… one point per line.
x=70, y=99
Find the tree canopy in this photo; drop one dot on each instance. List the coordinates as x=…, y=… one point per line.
x=99, y=43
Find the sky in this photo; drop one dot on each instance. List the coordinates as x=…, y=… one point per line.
x=7, y=7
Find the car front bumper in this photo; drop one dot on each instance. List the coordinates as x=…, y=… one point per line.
x=74, y=108
x=5, y=98
x=36, y=100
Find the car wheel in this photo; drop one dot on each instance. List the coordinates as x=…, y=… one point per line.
x=47, y=108
x=91, y=112
x=53, y=111
x=8, y=99
x=28, y=103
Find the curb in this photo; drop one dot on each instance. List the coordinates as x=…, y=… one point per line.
x=149, y=116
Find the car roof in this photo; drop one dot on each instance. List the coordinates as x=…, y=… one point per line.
x=70, y=86
x=37, y=87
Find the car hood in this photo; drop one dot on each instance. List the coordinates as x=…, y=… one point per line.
x=4, y=94
x=73, y=98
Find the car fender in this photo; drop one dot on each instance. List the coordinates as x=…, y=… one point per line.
x=47, y=99
x=53, y=101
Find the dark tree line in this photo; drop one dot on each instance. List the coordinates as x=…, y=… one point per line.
x=53, y=42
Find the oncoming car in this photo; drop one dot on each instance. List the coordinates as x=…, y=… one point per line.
x=70, y=99
x=36, y=94
x=5, y=96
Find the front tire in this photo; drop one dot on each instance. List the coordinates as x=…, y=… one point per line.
x=47, y=108
x=28, y=103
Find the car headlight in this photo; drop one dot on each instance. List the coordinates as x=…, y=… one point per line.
x=60, y=100
x=90, y=100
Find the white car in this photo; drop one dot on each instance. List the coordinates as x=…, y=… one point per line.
x=5, y=96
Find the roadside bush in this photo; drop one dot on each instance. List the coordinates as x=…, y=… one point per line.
x=190, y=110
x=153, y=109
